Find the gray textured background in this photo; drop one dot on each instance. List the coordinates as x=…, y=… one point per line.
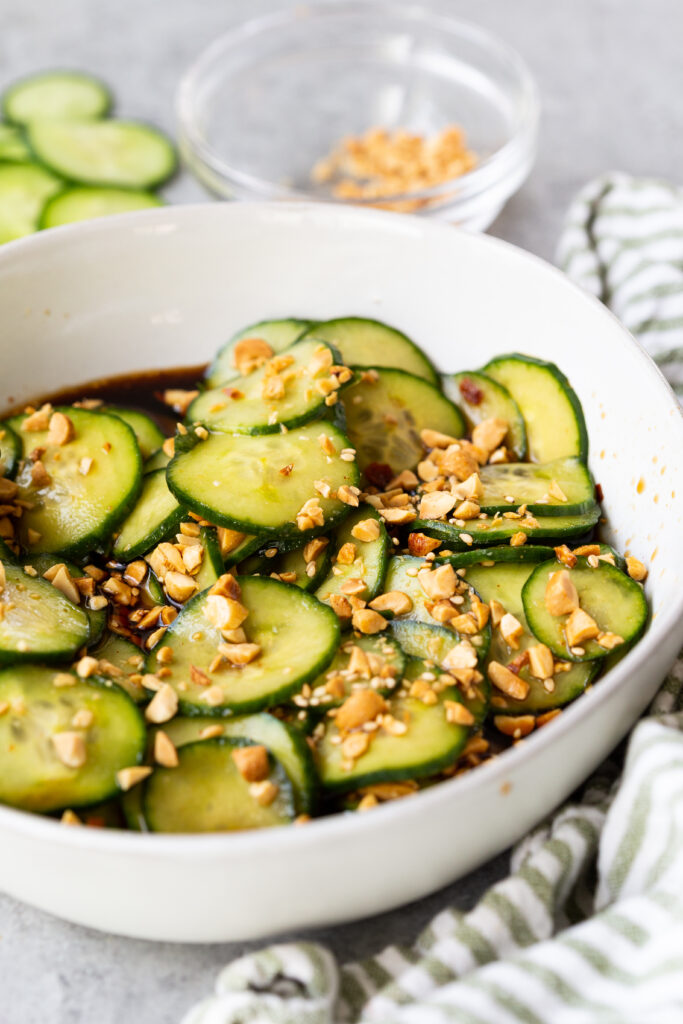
x=611, y=79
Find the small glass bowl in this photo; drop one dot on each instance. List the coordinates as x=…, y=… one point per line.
x=265, y=102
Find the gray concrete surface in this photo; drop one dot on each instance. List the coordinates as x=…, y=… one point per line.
x=611, y=78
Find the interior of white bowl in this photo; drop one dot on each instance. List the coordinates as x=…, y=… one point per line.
x=166, y=288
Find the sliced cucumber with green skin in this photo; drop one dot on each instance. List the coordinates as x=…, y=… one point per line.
x=38, y=623
x=279, y=334
x=284, y=742
x=97, y=619
x=155, y=517
x=24, y=190
x=294, y=561
x=484, y=532
x=56, y=94
x=116, y=154
x=279, y=616
x=206, y=793
x=364, y=342
x=615, y=601
x=534, y=553
x=235, y=481
x=31, y=775
x=10, y=451
x=250, y=412
x=432, y=644
x=386, y=662
x=503, y=582
x=148, y=434
x=157, y=460
x=6, y=554
x=430, y=744
x=212, y=562
x=385, y=412
x=76, y=512
x=402, y=576
x=127, y=659
x=243, y=550
x=536, y=486
x=552, y=412
x=87, y=203
x=481, y=398
x=370, y=563
x=151, y=591
x=13, y=147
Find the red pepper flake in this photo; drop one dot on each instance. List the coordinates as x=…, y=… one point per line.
x=379, y=474
x=598, y=493
x=470, y=392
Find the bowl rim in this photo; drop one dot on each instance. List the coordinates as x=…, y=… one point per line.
x=503, y=162
x=359, y=827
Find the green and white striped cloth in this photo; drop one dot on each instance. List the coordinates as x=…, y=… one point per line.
x=588, y=927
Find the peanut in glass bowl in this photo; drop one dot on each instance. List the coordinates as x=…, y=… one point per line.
x=265, y=102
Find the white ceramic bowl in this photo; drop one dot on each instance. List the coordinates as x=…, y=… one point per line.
x=165, y=288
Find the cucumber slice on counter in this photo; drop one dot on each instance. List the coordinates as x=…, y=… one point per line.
x=56, y=94
x=32, y=777
x=24, y=190
x=235, y=481
x=206, y=793
x=115, y=154
x=13, y=148
x=504, y=582
x=127, y=660
x=279, y=334
x=366, y=343
x=76, y=511
x=38, y=623
x=84, y=203
x=285, y=743
x=552, y=412
x=430, y=643
x=10, y=451
x=155, y=517
x=250, y=412
x=481, y=398
x=147, y=433
x=97, y=619
x=370, y=561
x=615, y=601
x=385, y=412
x=279, y=617
x=537, y=485
x=385, y=665
x=430, y=744
x=484, y=532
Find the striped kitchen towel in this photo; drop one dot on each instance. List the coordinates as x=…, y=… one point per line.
x=588, y=926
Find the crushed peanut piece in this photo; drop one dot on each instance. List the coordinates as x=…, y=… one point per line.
x=489, y=434
x=561, y=596
x=511, y=630
x=251, y=762
x=368, y=622
x=514, y=726
x=541, y=664
x=70, y=748
x=507, y=681
x=61, y=429
x=393, y=601
x=129, y=777
x=580, y=626
x=457, y=713
x=163, y=705
x=636, y=569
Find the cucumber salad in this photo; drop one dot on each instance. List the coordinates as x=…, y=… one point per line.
x=342, y=577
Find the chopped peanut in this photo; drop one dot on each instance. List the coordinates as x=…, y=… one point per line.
x=561, y=596
x=507, y=681
x=346, y=554
x=393, y=601
x=359, y=663
x=518, y=540
x=556, y=492
x=368, y=622
x=163, y=705
x=541, y=664
x=355, y=745
x=226, y=586
x=252, y=762
x=397, y=516
x=511, y=630
x=240, y=654
x=458, y=461
x=39, y=475
x=514, y=726
x=63, y=581
x=564, y=555
x=457, y=713
x=609, y=640
x=70, y=748
x=435, y=439
x=340, y=606
x=361, y=707
x=165, y=752
x=462, y=656
x=224, y=612
x=179, y=586
x=420, y=544
x=366, y=530
x=228, y=540
x=580, y=626
x=39, y=420
x=490, y=433
x=438, y=583
x=264, y=792
x=129, y=777
x=250, y=353
x=436, y=505
x=61, y=429
x=314, y=548
x=636, y=569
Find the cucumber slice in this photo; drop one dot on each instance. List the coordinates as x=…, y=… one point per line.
x=285, y=743
x=484, y=532
x=10, y=451
x=56, y=94
x=430, y=744
x=126, y=660
x=116, y=154
x=235, y=481
x=481, y=398
x=386, y=662
x=155, y=516
x=97, y=619
x=13, y=148
x=157, y=460
x=385, y=412
x=279, y=616
x=31, y=775
x=147, y=433
x=432, y=644
x=615, y=601
x=206, y=793
x=364, y=342
x=370, y=562
x=38, y=621
x=24, y=190
x=85, y=203
x=294, y=562
x=537, y=486
x=279, y=334
x=251, y=413
x=503, y=582
x=534, y=553
x=242, y=550
x=552, y=412
x=212, y=562
x=76, y=512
